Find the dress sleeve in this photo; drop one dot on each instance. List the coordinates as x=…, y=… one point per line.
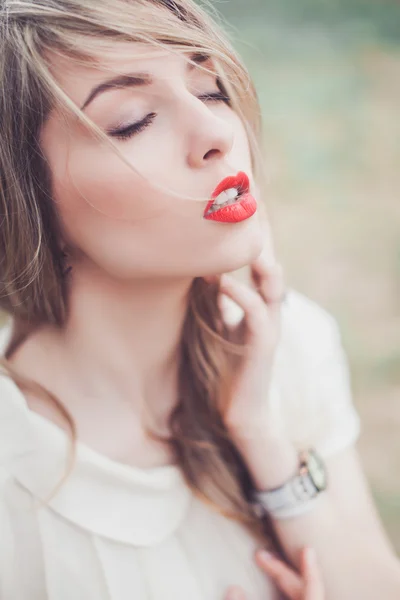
x=313, y=380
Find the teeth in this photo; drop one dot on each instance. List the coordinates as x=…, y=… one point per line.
x=232, y=193
x=221, y=198
x=226, y=195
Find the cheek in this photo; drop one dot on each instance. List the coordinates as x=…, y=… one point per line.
x=117, y=217
x=102, y=182
x=239, y=156
x=122, y=222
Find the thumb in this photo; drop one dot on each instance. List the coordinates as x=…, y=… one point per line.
x=285, y=578
x=235, y=593
x=313, y=585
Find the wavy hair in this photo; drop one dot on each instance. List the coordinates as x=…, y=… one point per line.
x=33, y=290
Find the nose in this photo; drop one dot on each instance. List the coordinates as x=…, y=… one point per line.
x=210, y=136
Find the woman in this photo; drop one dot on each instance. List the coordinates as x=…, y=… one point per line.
x=157, y=414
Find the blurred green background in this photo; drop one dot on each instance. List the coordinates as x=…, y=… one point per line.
x=328, y=77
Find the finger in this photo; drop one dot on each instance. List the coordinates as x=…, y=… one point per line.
x=285, y=578
x=266, y=272
x=313, y=585
x=253, y=306
x=235, y=593
x=211, y=278
x=269, y=281
x=268, y=251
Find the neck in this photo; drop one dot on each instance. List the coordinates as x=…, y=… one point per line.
x=127, y=332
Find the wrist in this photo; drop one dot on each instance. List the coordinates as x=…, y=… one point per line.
x=272, y=461
x=300, y=493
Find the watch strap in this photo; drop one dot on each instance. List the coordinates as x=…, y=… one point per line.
x=294, y=497
x=297, y=491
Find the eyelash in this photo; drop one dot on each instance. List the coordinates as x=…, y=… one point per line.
x=127, y=132
x=131, y=130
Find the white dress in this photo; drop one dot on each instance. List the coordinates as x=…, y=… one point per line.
x=115, y=532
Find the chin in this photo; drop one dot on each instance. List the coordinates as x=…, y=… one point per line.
x=238, y=250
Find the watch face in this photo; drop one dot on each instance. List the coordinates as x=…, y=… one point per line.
x=316, y=470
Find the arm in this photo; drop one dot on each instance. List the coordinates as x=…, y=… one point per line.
x=354, y=554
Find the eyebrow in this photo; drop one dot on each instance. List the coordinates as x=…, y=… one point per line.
x=121, y=81
x=132, y=80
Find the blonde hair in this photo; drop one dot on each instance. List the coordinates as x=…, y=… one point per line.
x=32, y=287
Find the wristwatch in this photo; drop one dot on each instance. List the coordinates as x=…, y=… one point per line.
x=298, y=494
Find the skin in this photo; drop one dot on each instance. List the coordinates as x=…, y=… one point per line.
x=116, y=218
x=135, y=248
x=134, y=251
x=304, y=586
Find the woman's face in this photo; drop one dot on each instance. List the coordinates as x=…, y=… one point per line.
x=160, y=116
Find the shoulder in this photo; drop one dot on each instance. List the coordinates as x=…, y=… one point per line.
x=310, y=344
x=304, y=318
x=5, y=333
x=312, y=378
x=303, y=311
x=308, y=330
x=7, y=550
x=16, y=438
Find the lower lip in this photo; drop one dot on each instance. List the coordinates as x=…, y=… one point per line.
x=234, y=213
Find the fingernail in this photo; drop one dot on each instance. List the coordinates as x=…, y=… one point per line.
x=211, y=278
x=235, y=594
x=265, y=555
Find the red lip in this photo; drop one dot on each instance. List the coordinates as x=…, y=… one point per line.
x=242, y=209
x=239, y=181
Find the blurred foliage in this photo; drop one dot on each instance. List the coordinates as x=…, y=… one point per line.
x=378, y=17
x=328, y=78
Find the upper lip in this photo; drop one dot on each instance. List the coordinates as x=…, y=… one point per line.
x=240, y=182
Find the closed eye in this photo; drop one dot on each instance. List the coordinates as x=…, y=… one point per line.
x=135, y=128
x=129, y=131
x=215, y=97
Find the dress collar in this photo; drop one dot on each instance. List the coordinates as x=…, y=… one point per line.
x=124, y=503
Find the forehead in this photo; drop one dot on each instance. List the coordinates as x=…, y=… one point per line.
x=77, y=75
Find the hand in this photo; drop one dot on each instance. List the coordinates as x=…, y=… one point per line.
x=251, y=417
x=261, y=304
x=306, y=586
x=259, y=329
